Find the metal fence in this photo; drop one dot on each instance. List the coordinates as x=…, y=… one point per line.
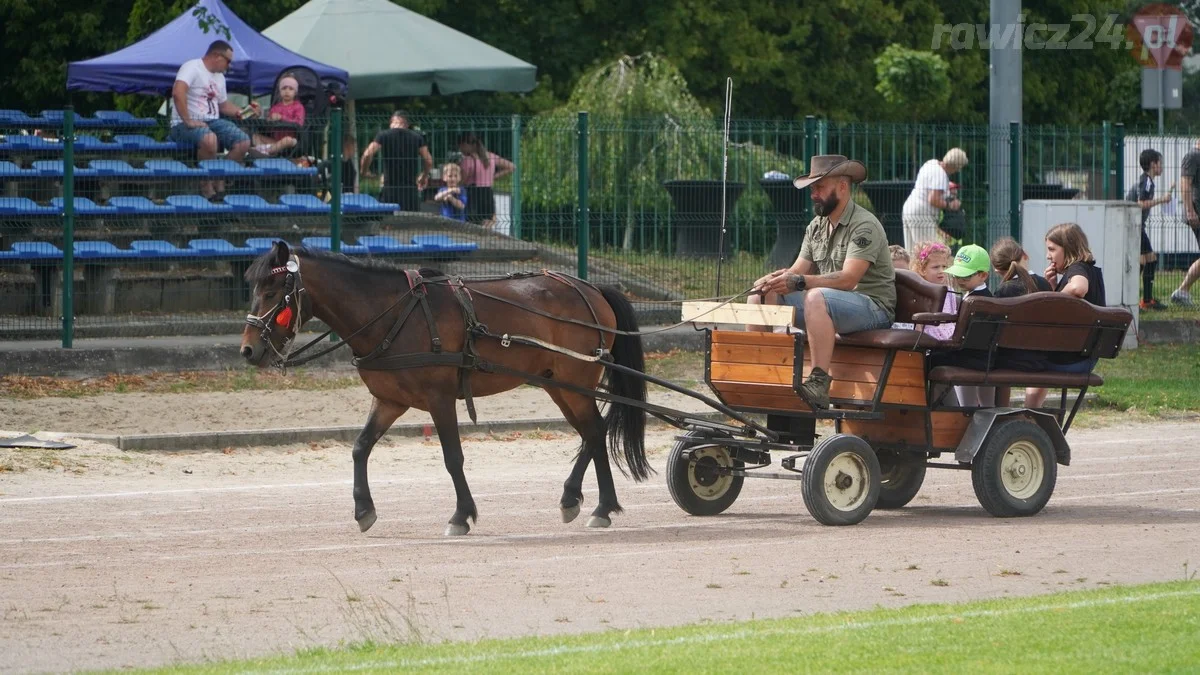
x=109, y=227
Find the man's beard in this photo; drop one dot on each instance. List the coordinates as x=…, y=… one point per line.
x=824, y=207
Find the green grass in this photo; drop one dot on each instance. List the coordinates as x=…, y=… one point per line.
x=1152, y=378
x=1152, y=628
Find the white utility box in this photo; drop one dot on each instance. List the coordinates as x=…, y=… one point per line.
x=1114, y=232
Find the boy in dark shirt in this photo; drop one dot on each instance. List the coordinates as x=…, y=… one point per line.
x=1143, y=193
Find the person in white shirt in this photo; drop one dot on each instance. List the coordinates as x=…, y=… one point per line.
x=930, y=196
x=198, y=101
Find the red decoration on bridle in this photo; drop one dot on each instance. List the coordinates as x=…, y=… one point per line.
x=284, y=317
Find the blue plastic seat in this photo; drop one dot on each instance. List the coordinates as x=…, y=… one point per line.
x=172, y=167
x=123, y=118
x=261, y=244
x=219, y=248
x=31, y=143
x=85, y=207
x=381, y=243
x=117, y=168
x=197, y=204
x=157, y=249
x=360, y=203
x=139, y=206
x=254, y=204
x=37, y=250
x=87, y=143
x=441, y=242
x=54, y=167
x=278, y=166
x=326, y=244
x=227, y=167
x=144, y=143
x=14, y=118
x=24, y=206
x=106, y=250
x=11, y=170
x=304, y=203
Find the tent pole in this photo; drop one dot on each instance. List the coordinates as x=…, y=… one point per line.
x=352, y=122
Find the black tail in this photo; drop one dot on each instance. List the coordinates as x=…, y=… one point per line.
x=626, y=423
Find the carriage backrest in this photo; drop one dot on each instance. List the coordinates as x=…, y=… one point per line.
x=1044, y=322
x=915, y=295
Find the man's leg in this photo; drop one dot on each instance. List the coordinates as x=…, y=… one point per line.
x=827, y=312
x=1182, y=296
x=206, y=148
x=233, y=139
x=819, y=326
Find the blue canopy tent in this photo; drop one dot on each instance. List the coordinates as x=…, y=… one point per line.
x=149, y=66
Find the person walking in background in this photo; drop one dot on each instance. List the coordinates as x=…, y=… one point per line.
x=1189, y=192
x=930, y=196
x=480, y=169
x=1143, y=193
x=401, y=147
x=451, y=196
x=198, y=100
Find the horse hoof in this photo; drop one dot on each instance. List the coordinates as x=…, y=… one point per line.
x=598, y=521
x=570, y=514
x=366, y=521
x=453, y=530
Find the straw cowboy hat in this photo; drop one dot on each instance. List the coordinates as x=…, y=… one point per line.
x=828, y=166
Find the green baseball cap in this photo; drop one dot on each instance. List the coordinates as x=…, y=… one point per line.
x=969, y=260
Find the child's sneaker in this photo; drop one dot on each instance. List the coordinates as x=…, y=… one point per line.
x=1151, y=304
x=1182, y=297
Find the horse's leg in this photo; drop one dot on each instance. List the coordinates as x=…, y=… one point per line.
x=584, y=415
x=383, y=414
x=445, y=420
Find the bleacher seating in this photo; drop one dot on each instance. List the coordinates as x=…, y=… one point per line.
x=360, y=203
x=254, y=204
x=228, y=168
x=304, y=203
x=140, y=206
x=272, y=166
x=85, y=207
x=24, y=206
x=173, y=168
x=143, y=143
x=117, y=168
x=326, y=244
x=197, y=204
x=18, y=119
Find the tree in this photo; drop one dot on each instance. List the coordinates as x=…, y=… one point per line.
x=914, y=82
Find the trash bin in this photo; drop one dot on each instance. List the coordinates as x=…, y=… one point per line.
x=696, y=217
x=887, y=199
x=791, y=219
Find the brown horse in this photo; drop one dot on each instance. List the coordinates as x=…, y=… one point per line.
x=462, y=339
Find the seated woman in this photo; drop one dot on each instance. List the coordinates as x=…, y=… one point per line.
x=1072, y=270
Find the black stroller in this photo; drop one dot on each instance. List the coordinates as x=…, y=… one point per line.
x=317, y=96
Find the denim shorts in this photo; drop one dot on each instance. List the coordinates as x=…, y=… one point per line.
x=851, y=312
x=228, y=133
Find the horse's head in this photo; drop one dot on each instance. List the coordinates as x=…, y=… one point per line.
x=277, y=306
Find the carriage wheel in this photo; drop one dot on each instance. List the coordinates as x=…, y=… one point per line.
x=695, y=484
x=840, y=484
x=900, y=478
x=1015, y=470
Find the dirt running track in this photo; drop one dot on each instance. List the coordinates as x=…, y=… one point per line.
x=110, y=559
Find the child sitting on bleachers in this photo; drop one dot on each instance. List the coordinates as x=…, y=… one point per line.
x=288, y=109
x=452, y=197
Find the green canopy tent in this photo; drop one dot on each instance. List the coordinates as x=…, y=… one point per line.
x=391, y=52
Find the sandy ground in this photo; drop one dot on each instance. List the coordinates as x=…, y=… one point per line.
x=226, y=411
x=111, y=559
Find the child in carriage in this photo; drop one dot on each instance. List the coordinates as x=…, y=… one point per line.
x=287, y=109
x=930, y=259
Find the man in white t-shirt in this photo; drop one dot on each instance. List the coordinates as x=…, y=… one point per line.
x=930, y=196
x=198, y=101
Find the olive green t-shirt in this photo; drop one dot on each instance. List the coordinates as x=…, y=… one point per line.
x=858, y=235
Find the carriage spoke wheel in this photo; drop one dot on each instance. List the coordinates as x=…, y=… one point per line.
x=1015, y=470
x=698, y=485
x=900, y=479
x=840, y=484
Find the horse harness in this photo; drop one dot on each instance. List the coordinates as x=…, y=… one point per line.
x=467, y=361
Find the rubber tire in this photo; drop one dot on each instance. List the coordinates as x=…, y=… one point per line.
x=896, y=491
x=812, y=482
x=679, y=475
x=986, y=471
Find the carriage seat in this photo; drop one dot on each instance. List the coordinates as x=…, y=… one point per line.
x=914, y=296
x=1044, y=322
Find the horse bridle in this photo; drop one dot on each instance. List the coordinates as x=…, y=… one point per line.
x=282, y=314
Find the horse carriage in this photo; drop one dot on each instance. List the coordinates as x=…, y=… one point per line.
x=426, y=340
x=890, y=412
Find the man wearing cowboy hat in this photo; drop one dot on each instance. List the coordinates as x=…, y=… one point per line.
x=843, y=280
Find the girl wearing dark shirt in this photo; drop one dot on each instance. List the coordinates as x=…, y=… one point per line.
x=1012, y=263
x=1072, y=270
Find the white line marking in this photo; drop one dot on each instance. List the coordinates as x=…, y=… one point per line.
x=715, y=634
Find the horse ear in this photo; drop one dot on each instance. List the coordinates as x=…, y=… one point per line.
x=280, y=253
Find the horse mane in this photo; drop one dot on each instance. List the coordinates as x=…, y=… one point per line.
x=260, y=269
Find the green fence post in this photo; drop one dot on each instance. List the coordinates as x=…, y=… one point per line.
x=1120, y=143
x=1014, y=180
x=1105, y=150
x=68, y=287
x=515, y=201
x=810, y=149
x=335, y=198
x=582, y=226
